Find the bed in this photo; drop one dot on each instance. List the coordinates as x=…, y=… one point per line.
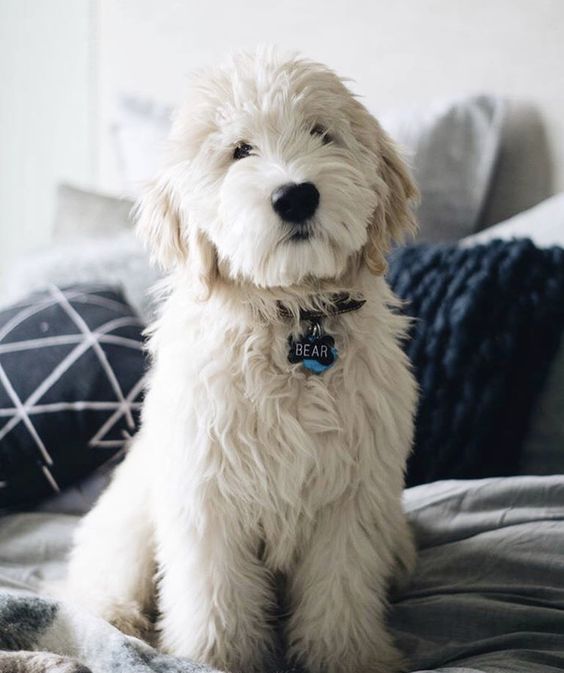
x=487, y=593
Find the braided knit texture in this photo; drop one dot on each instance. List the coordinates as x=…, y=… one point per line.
x=487, y=322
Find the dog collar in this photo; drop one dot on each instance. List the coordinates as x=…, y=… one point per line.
x=340, y=303
x=315, y=349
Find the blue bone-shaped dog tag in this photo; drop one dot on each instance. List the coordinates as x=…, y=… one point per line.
x=316, y=352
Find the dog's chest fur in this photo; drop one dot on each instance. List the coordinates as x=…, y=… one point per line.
x=274, y=442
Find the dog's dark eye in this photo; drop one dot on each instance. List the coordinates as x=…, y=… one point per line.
x=242, y=150
x=321, y=131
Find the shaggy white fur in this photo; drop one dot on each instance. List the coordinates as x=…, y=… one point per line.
x=247, y=465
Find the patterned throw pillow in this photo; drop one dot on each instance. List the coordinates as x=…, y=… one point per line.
x=71, y=382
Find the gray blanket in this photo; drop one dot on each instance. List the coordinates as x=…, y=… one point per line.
x=487, y=594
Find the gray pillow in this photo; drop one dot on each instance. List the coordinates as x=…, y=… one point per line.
x=453, y=148
x=80, y=213
x=523, y=175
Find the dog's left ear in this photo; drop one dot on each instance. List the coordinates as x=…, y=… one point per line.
x=393, y=219
x=396, y=194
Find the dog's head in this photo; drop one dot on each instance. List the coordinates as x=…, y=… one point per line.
x=276, y=175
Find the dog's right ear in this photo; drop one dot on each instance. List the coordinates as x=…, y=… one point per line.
x=159, y=224
x=164, y=229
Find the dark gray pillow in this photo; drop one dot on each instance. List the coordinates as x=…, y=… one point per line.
x=71, y=381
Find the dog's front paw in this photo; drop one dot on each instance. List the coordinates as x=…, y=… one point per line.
x=390, y=661
x=235, y=651
x=377, y=654
x=223, y=656
x=128, y=618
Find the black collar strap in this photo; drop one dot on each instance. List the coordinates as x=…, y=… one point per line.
x=340, y=303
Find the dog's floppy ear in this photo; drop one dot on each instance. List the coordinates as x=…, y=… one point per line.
x=170, y=238
x=159, y=224
x=393, y=218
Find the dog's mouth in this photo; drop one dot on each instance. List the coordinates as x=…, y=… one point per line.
x=300, y=232
x=300, y=235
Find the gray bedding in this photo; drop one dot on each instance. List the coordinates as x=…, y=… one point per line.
x=487, y=595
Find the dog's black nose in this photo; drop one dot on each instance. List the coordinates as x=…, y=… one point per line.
x=295, y=203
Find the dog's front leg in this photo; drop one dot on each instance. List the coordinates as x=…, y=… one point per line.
x=111, y=569
x=338, y=595
x=216, y=598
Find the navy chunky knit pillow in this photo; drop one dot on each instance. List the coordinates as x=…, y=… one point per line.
x=488, y=322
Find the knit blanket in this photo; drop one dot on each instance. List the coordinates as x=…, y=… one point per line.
x=487, y=322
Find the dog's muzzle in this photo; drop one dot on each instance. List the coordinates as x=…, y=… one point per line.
x=296, y=204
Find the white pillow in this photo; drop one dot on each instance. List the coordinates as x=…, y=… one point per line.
x=139, y=133
x=543, y=224
x=453, y=147
x=543, y=450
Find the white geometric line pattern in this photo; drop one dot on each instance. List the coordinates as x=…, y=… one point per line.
x=20, y=410
x=20, y=413
x=92, y=339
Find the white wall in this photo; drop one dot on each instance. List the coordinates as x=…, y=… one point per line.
x=47, y=113
x=64, y=62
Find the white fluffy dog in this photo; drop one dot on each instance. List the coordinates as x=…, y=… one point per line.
x=279, y=411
